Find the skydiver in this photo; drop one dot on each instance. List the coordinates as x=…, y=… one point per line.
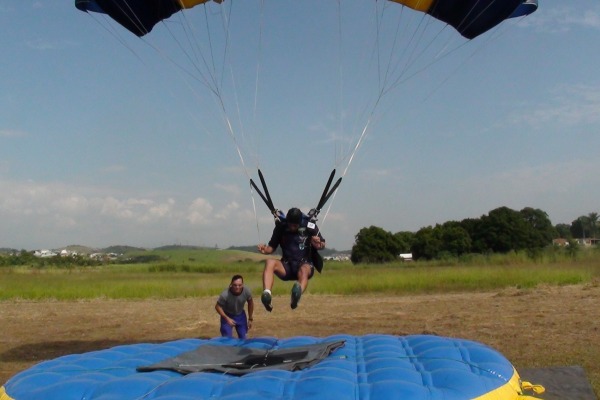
x=230, y=306
x=297, y=242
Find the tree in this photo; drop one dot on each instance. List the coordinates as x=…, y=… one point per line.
x=405, y=241
x=450, y=238
x=540, y=231
x=580, y=227
x=473, y=228
x=593, y=223
x=426, y=245
x=455, y=239
x=503, y=230
x=563, y=231
x=375, y=245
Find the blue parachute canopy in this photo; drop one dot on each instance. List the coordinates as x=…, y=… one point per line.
x=525, y=8
x=469, y=17
x=371, y=367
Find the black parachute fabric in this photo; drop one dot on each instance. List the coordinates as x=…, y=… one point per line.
x=235, y=360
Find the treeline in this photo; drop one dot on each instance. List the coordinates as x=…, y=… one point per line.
x=26, y=258
x=502, y=230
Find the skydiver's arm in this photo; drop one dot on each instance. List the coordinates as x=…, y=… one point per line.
x=273, y=243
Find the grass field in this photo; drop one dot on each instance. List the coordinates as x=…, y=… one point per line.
x=192, y=273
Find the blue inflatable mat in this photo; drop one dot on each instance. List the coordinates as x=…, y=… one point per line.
x=371, y=367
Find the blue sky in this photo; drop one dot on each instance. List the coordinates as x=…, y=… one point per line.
x=109, y=139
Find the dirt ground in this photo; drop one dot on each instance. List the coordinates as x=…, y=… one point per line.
x=542, y=327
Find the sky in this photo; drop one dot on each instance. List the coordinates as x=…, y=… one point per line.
x=109, y=139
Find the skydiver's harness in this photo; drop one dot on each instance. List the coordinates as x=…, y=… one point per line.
x=308, y=222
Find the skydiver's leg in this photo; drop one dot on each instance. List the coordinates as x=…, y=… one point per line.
x=272, y=267
x=305, y=272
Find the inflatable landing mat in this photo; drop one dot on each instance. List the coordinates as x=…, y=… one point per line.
x=371, y=367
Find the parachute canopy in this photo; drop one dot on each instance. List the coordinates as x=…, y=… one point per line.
x=469, y=17
x=472, y=17
x=139, y=16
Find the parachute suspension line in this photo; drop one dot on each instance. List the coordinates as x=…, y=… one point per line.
x=256, y=143
x=108, y=27
x=216, y=86
x=473, y=20
x=233, y=137
x=213, y=83
x=495, y=34
x=198, y=75
x=210, y=48
x=339, y=151
x=403, y=56
x=403, y=77
x=413, y=56
x=255, y=213
x=137, y=23
x=226, y=27
x=393, y=49
x=226, y=24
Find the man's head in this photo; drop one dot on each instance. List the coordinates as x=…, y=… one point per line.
x=293, y=218
x=237, y=285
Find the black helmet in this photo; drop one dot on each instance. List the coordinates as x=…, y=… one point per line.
x=294, y=216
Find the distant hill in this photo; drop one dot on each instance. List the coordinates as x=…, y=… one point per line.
x=180, y=247
x=120, y=249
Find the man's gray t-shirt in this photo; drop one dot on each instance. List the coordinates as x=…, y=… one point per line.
x=232, y=304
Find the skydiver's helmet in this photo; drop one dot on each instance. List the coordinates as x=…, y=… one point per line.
x=293, y=216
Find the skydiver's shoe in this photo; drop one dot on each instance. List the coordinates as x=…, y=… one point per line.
x=266, y=300
x=296, y=294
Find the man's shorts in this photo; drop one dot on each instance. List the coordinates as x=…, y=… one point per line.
x=292, y=268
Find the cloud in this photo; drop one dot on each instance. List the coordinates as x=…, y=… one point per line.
x=50, y=214
x=199, y=212
x=564, y=18
x=566, y=106
x=556, y=188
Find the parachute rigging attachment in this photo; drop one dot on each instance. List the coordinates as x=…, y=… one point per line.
x=328, y=191
x=266, y=197
x=312, y=214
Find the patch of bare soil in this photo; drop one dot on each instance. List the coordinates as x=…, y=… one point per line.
x=542, y=327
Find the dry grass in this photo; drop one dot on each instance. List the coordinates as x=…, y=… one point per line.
x=545, y=326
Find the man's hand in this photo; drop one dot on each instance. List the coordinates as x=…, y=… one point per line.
x=265, y=248
x=230, y=322
x=316, y=242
